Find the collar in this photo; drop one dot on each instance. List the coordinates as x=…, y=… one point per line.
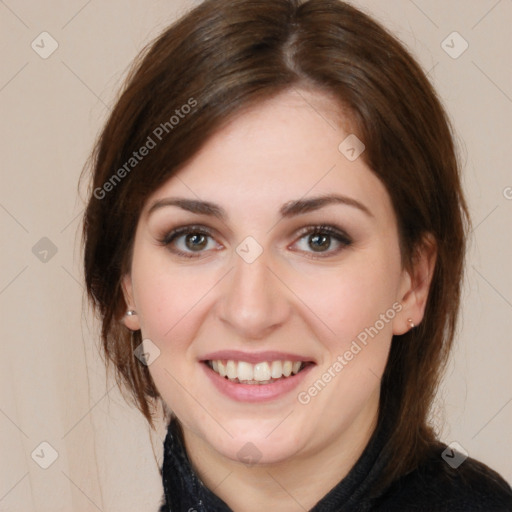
x=185, y=492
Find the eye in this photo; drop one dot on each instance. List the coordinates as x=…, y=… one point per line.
x=192, y=241
x=320, y=240
x=188, y=241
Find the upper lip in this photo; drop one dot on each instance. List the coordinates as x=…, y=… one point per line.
x=254, y=357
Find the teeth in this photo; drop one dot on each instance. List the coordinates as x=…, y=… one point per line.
x=221, y=369
x=277, y=369
x=231, y=370
x=261, y=373
x=245, y=370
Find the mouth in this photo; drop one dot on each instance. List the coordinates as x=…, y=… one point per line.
x=260, y=373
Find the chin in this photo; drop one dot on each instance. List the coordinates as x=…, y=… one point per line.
x=260, y=442
x=252, y=453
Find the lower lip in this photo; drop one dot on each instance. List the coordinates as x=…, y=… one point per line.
x=256, y=392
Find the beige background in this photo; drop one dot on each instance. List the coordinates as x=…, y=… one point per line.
x=53, y=386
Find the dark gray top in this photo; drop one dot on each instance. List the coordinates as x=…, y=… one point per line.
x=434, y=486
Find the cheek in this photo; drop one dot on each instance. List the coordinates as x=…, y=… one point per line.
x=353, y=298
x=166, y=293
x=343, y=302
x=168, y=303
x=358, y=304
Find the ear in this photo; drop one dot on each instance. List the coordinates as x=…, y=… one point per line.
x=130, y=321
x=415, y=285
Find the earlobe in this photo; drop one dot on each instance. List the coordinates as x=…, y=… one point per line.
x=130, y=318
x=415, y=286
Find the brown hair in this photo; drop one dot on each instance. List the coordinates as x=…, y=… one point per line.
x=227, y=55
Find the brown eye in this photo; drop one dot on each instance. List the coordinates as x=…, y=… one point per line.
x=320, y=242
x=189, y=241
x=320, y=239
x=196, y=241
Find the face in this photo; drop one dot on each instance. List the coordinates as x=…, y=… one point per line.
x=241, y=263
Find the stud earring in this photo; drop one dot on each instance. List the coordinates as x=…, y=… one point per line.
x=411, y=323
x=131, y=312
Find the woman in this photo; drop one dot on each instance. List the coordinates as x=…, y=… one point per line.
x=274, y=242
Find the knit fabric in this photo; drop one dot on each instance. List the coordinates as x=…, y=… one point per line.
x=432, y=487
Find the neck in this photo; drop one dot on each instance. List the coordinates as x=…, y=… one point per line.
x=288, y=485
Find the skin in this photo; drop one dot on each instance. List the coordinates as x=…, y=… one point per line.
x=286, y=300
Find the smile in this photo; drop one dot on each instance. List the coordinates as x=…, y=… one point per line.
x=264, y=372
x=256, y=376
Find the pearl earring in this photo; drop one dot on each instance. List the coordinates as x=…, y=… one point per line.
x=411, y=323
x=131, y=312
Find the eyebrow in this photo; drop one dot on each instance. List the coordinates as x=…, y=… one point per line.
x=289, y=209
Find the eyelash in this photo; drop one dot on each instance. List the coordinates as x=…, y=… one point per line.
x=330, y=231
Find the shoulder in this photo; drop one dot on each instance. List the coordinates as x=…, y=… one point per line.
x=436, y=486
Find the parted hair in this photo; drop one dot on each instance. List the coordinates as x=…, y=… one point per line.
x=225, y=56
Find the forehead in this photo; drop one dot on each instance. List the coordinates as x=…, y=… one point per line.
x=282, y=149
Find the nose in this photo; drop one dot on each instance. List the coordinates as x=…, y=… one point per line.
x=254, y=302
